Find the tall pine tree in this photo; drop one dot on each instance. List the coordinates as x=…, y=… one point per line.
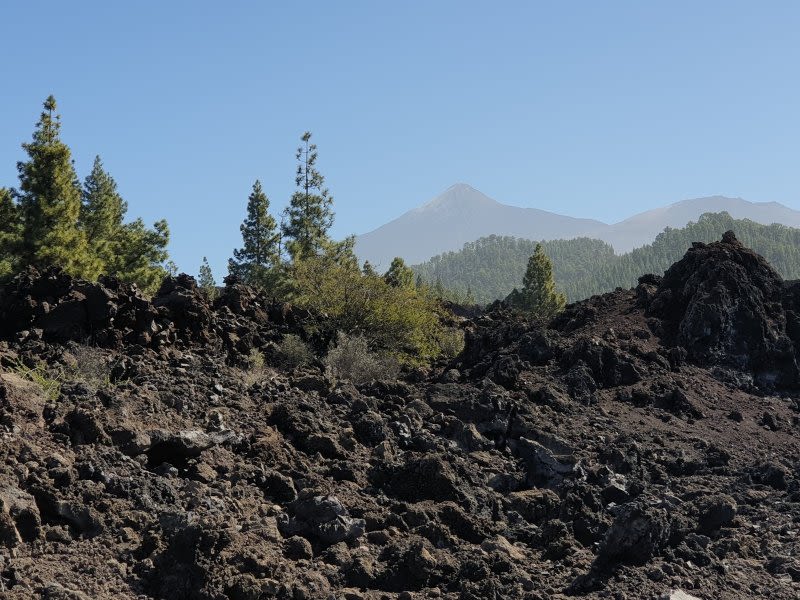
x=310, y=210
x=538, y=295
x=257, y=262
x=49, y=198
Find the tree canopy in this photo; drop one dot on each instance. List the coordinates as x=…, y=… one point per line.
x=492, y=266
x=258, y=260
x=51, y=220
x=538, y=295
x=49, y=198
x=309, y=215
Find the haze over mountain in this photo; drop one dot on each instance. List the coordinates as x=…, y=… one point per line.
x=463, y=214
x=459, y=215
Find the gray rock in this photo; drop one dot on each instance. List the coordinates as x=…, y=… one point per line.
x=544, y=467
x=323, y=517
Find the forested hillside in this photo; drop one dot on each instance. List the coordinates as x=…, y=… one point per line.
x=492, y=266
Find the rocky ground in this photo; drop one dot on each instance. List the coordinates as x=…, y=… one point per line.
x=642, y=445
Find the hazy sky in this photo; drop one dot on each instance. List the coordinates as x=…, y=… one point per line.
x=595, y=109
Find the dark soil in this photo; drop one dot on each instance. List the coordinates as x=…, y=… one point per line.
x=642, y=445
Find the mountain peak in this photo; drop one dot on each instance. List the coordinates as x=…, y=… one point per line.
x=458, y=195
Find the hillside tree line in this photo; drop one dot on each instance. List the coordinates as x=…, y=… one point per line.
x=492, y=266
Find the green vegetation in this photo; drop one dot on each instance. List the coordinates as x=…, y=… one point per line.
x=257, y=261
x=492, y=266
x=398, y=275
x=352, y=359
x=10, y=233
x=51, y=220
x=206, y=281
x=294, y=352
x=310, y=211
x=400, y=321
x=41, y=376
x=538, y=295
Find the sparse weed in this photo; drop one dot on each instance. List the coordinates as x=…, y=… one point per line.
x=88, y=365
x=352, y=359
x=41, y=376
x=257, y=369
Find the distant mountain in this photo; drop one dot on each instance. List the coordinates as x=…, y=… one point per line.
x=459, y=215
x=642, y=228
x=463, y=214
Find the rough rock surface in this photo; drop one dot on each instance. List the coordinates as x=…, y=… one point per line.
x=644, y=444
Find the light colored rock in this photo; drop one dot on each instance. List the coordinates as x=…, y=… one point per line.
x=503, y=546
x=678, y=595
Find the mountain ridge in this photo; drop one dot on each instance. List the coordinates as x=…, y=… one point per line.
x=463, y=214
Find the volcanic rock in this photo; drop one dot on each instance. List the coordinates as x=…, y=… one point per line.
x=641, y=443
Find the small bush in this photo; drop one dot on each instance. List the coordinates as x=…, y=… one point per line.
x=294, y=352
x=451, y=341
x=352, y=359
x=89, y=366
x=256, y=370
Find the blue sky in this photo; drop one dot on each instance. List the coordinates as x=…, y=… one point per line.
x=595, y=109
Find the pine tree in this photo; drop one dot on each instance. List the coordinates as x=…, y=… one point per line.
x=10, y=233
x=171, y=268
x=102, y=210
x=538, y=295
x=368, y=270
x=258, y=261
x=310, y=212
x=129, y=251
x=50, y=202
x=399, y=275
x=141, y=256
x=206, y=280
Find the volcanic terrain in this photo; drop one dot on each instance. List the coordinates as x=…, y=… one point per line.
x=642, y=445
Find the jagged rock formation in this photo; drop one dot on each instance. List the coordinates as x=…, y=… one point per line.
x=641, y=445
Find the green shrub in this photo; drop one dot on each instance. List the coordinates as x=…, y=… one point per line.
x=294, y=352
x=451, y=341
x=401, y=321
x=352, y=359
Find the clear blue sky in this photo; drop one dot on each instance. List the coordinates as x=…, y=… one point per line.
x=596, y=109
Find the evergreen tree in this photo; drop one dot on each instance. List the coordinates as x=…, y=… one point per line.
x=399, y=275
x=141, y=255
x=258, y=261
x=310, y=211
x=538, y=295
x=102, y=212
x=129, y=251
x=368, y=270
x=50, y=202
x=171, y=268
x=10, y=233
x=206, y=280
